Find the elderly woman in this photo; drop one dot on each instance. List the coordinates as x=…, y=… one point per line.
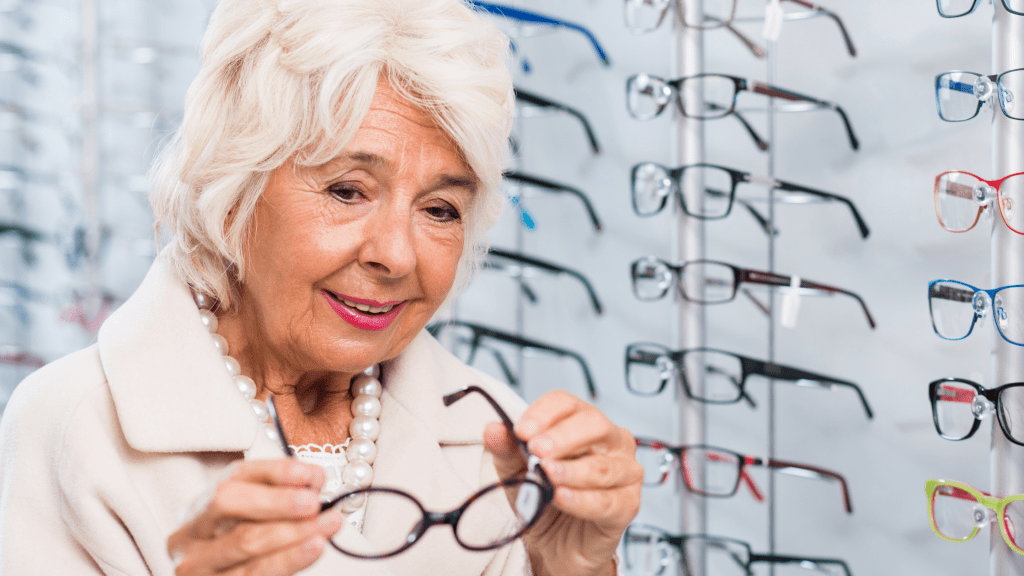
x=331, y=184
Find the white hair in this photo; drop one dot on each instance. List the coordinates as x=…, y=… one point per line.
x=292, y=80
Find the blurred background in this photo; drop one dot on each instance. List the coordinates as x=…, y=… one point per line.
x=90, y=89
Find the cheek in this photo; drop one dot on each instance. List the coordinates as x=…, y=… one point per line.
x=439, y=262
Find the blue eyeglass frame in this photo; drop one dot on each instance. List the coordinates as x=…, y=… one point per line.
x=535, y=18
x=996, y=79
x=991, y=292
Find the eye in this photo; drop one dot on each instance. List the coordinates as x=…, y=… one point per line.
x=344, y=192
x=444, y=212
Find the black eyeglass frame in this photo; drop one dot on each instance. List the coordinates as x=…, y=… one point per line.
x=678, y=541
x=542, y=102
x=738, y=177
x=480, y=332
x=740, y=275
x=552, y=186
x=529, y=261
x=993, y=395
x=748, y=367
x=534, y=475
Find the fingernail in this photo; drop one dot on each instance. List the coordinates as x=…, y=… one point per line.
x=541, y=446
x=527, y=428
x=305, y=499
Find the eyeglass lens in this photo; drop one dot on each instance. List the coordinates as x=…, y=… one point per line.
x=648, y=554
x=957, y=406
x=654, y=185
x=705, y=97
x=651, y=369
x=955, y=308
x=700, y=281
x=475, y=528
x=961, y=94
x=958, y=515
x=960, y=197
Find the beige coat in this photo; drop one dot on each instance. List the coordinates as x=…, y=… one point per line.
x=101, y=452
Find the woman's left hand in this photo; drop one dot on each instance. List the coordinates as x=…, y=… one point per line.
x=592, y=463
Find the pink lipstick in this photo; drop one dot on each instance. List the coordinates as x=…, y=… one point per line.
x=360, y=319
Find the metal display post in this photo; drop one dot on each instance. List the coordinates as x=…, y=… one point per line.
x=688, y=244
x=1006, y=459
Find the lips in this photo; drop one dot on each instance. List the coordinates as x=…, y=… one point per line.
x=364, y=314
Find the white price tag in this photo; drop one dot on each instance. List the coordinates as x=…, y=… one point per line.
x=790, y=304
x=773, y=15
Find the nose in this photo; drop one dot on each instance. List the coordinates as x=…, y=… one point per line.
x=388, y=245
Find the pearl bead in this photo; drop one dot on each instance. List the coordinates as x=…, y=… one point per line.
x=364, y=427
x=220, y=343
x=246, y=386
x=364, y=384
x=234, y=368
x=203, y=302
x=366, y=405
x=361, y=450
x=209, y=320
x=261, y=410
x=350, y=504
x=373, y=371
x=358, y=473
x=271, y=429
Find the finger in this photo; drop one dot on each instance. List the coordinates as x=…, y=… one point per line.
x=284, y=472
x=508, y=459
x=545, y=411
x=284, y=562
x=583, y=431
x=609, y=507
x=597, y=471
x=251, y=541
x=236, y=500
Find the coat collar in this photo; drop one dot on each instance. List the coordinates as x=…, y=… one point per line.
x=173, y=394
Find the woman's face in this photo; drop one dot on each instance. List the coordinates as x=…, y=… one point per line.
x=348, y=261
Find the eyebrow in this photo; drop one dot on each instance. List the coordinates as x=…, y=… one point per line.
x=470, y=183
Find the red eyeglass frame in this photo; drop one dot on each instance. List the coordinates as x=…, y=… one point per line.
x=997, y=184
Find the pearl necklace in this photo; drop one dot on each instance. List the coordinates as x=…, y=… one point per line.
x=364, y=429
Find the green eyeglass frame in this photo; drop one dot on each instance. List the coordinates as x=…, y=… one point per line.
x=967, y=492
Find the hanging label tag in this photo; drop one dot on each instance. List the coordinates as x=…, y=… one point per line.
x=790, y=304
x=773, y=15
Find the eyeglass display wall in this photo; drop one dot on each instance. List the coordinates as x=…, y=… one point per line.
x=87, y=90
x=556, y=308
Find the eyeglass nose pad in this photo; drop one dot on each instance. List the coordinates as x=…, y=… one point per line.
x=983, y=194
x=983, y=88
x=981, y=407
x=980, y=304
x=1007, y=205
x=1006, y=99
x=982, y=516
x=1000, y=312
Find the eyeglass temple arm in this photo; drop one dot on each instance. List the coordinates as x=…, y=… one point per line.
x=540, y=101
x=959, y=190
x=500, y=359
x=760, y=142
x=790, y=187
x=522, y=342
x=774, y=92
x=790, y=374
x=526, y=16
x=27, y=234
x=772, y=279
x=765, y=225
x=785, y=559
x=805, y=470
x=834, y=17
x=554, y=268
x=556, y=187
x=754, y=48
x=950, y=293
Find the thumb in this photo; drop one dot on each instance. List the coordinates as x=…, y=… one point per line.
x=508, y=460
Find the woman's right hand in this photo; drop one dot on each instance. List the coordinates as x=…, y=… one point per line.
x=263, y=519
